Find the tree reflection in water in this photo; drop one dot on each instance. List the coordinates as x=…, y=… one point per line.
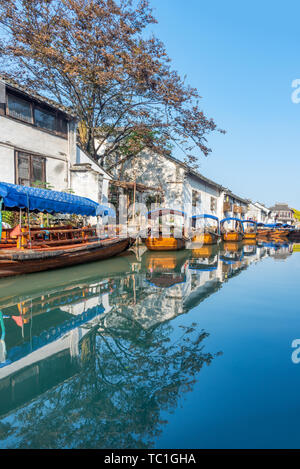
x=125, y=378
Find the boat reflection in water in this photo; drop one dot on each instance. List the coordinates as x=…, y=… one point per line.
x=91, y=356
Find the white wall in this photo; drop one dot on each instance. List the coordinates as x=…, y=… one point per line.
x=83, y=158
x=205, y=192
x=29, y=138
x=57, y=174
x=154, y=170
x=85, y=183
x=60, y=154
x=7, y=164
x=15, y=135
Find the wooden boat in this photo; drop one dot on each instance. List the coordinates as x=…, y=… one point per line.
x=18, y=261
x=38, y=249
x=164, y=244
x=203, y=252
x=249, y=242
x=263, y=231
x=206, y=234
x=165, y=269
x=156, y=241
x=273, y=230
x=204, y=258
x=231, y=253
x=279, y=233
x=232, y=235
x=251, y=231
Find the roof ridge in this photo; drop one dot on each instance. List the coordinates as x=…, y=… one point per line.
x=9, y=81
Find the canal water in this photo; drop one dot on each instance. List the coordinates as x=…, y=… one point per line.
x=194, y=349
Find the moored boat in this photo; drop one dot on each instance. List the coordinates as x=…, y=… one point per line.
x=273, y=230
x=206, y=234
x=233, y=234
x=250, y=231
x=165, y=269
x=167, y=237
x=36, y=249
x=204, y=258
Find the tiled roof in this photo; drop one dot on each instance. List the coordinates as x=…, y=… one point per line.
x=194, y=172
x=11, y=83
x=205, y=179
x=280, y=207
x=237, y=197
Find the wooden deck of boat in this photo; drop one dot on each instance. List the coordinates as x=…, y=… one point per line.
x=22, y=261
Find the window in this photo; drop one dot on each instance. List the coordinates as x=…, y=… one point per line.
x=196, y=198
x=30, y=169
x=44, y=119
x=19, y=108
x=213, y=204
x=37, y=115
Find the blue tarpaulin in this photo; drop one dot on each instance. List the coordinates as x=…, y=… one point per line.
x=43, y=200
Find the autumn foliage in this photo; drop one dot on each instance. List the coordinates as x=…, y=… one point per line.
x=95, y=56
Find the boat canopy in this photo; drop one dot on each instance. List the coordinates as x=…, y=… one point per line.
x=249, y=221
x=43, y=200
x=230, y=218
x=205, y=215
x=234, y=219
x=165, y=211
x=270, y=225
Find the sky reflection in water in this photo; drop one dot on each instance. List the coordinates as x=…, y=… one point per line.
x=115, y=354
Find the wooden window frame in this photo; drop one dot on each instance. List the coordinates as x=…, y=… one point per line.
x=59, y=116
x=21, y=99
x=213, y=203
x=30, y=155
x=197, y=199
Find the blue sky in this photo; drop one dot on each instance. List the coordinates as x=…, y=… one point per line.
x=242, y=57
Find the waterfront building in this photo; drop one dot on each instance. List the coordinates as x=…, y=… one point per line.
x=258, y=212
x=234, y=205
x=282, y=213
x=173, y=184
x=38, y=145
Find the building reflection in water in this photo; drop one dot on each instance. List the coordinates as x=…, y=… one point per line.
x=93, y=359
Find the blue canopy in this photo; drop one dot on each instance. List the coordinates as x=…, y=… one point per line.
x=234, y=219
x=230, y=218
x=43, y=200
x=249, y=221
x=205, y=215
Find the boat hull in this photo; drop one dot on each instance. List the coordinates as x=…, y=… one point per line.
x=18, y=262
x=205, y=238
x=250, y=235
x=164, y=244
x=249, y=242
x=232, y=237
x=279, y=234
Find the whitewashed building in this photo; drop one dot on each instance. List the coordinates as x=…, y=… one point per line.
x=234, y=205
x=258, y=212
x=178, y=185
x=38, y=146
x=282, y=213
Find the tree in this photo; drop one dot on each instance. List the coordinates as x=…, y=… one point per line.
x=125, y=379
x=94, y=56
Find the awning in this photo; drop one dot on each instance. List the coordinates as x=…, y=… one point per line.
x=43, y=200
